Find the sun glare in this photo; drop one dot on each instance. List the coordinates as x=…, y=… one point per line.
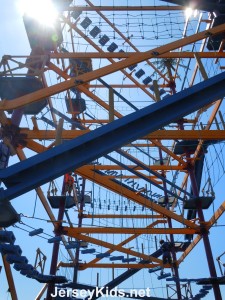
x=188, y=12
x=41, y=10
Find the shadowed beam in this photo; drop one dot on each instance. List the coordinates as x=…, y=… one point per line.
x=109, y=230
x=125, y=8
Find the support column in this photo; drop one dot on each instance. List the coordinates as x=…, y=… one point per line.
x=80, y=219
x=176, y=272
x=55, y=252
x=205, y=237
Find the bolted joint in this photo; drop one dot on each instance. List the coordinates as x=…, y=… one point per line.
x=203, y=228
x=12, y=133
x=58, y=230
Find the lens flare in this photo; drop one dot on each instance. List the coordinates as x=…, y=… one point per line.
x=41, y=10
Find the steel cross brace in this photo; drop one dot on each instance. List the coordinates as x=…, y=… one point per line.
x=44, y=167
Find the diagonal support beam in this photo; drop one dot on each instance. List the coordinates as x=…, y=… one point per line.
x=67, y=231
x=48, y=165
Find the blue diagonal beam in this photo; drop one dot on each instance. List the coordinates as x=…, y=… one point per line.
x=44, y=167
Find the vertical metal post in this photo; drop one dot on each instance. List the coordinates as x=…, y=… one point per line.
x=175, y=268
x=111, y=105
x=205, y=237
x=80, y=219
x=97, y=280
x=55, y=252
x=156, y=90
x=113, y=273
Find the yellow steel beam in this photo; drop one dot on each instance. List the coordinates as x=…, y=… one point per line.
x=218, y=213
x=116, y=66
x=109, y=245
x=110, y=230
x=109, y=216
x=189, y=249
x=159, y=134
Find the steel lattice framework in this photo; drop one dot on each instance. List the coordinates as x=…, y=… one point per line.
x=130, y=100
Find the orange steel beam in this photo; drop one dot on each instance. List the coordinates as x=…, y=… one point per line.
x=104, y=216
x=138, y=198
x=125, y=8
x=109, y=245
x=131, y=238
x=159, y=134
x=189, y=249
x=152, y=167
x=32, y=145
x=9, y=277
x=116, y=66
x=109, y=230
x=218, y=213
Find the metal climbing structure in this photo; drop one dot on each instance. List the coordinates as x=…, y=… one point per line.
x=112, y=139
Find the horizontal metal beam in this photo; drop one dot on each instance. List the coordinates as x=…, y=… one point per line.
x=109, y=216
x=57, y=161
x=159, y=134
x=152, y=167
x=125, y=8
x=109, y=230
x=110, y=266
